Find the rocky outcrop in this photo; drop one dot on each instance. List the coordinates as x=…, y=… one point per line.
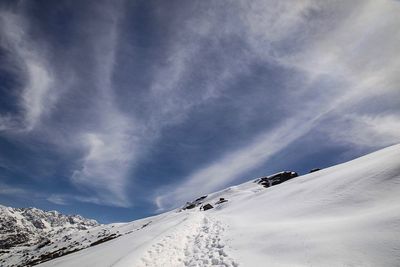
x=26, y=235
x=30, y=226
x=276, y=178
x=207, y=206
x=221, y=200
x=194, y=203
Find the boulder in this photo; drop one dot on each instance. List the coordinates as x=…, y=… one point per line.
x=190, y=206
x=221, y=200
x=277, y=178
x=207, y=206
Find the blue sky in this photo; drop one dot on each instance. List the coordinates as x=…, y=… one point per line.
x=122, y=109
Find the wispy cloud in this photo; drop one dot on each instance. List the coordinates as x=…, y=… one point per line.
x=298, y=65
x=36, y=98
x=110, y=143
x=11, y=190
x=366, y=130
x=345, y=50
x=57, y=199
x=105, y=166
x=68, y=199
x=111, y=146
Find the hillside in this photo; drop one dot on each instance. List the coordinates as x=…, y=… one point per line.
x=346, y=215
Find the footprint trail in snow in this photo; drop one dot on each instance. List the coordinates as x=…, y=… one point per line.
x=195, y=242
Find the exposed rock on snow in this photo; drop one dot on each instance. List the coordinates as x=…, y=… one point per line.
x=195, y=203
x=200, y=198
x=314, y=170
x=31, y=226
x=25, y=232
x=276, y=178
x=221, y=200
x=207, y=206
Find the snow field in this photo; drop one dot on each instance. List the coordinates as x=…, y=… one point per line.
x=346, y=215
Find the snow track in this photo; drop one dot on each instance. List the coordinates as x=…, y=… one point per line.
x=206, y=248
x=197, y=241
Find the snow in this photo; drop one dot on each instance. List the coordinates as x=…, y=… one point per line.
x=346, y=215
x=27, y=234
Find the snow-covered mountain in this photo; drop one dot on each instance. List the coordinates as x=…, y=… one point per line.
x=346, y=215
x=25, y=232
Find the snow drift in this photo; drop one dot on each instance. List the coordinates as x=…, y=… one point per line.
x=346, y=215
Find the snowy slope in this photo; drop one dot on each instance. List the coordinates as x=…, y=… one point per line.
x=346, y=215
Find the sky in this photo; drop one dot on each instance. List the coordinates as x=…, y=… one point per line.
x=117, y=110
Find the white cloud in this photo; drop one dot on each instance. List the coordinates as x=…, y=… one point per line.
x=361, y=47
x=57, y=199
x=18, y=192
x=12, y=190
x=105, y=166
x=67, y=199
x=366, y=130
x=111, y=145
x=37, y=96
x=271, y=21
x=8, y=122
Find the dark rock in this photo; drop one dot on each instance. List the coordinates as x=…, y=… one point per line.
x=38, y=224
x=144, y=225
x=276, y=178
x=50, y=255
x=265, y=183
x=221, y=200
x=314, y=170
x=194, y=203
x=105, y=239
x=190, y=206
x=13, y=240
x=200, y=198
x=207, y=206
x=43, y=244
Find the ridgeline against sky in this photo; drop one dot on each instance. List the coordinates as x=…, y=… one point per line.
x=120, y=109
